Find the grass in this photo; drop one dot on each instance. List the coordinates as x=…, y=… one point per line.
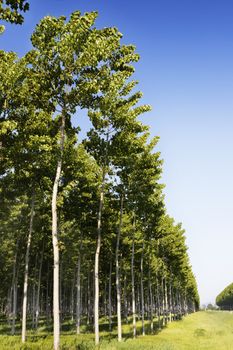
x=211, y=330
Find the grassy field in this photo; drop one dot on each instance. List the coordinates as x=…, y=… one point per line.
x=203, y=330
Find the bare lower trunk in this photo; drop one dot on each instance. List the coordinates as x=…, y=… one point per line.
x=142, y=291
x=56, y=313
x=48, y=311
x=170, y=300
x=14, y=311
x=125, y=300
x=88, y=299
x=33, y=303
x=158, y=304
x=25, y=286
x=110, y=297
x=72, y=300
x=97, y=253
x=118, y=288
x=38, y=289
x=133, y=284
x=14, y=286
x=78, y=303
x=165, y=300
x=151, y=302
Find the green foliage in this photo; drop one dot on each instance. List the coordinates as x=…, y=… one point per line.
x=225, y=299
x=11, y=10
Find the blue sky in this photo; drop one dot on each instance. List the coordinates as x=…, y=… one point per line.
x=186, y=74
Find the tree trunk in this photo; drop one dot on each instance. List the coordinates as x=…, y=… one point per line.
x=125, y=300
x=88, y=299
x=72, y=299
x=14, y=286
x=110, y=297
x=151, y=302
x=78, y=303
x=142, y=291
x=133, y=283
x=165, y=300
x=48, y=311
x=97, y=253
x=158, y=304
x=118, y=287
x=25, y=286
x=170, y=300
x=56, y=313
x=38, y=289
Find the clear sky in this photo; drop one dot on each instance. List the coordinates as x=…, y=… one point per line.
x=186, y=74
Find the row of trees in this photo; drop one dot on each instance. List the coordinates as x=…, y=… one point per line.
x=225, y=299
x=114, y=250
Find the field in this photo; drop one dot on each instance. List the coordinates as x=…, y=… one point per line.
x=203, y=330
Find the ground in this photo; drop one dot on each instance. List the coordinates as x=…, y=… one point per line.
x=210, y=330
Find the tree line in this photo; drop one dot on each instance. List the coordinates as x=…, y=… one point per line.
x=225, y=299
x=84, y=232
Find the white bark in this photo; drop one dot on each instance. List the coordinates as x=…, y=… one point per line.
x=110, y=297
x=170, y=300
x=14, y=286
x=165, y=300
x=88, y=299
x=142, y=291
x=56, y=313
x=133, y=284
x=25, y=286
x=38, y=289
x=118, y=288
x=125, y=299
x=97, y=253
x=158, y=303
x=151, y=302
x=78, y=303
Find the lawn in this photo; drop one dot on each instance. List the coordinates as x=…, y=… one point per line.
x=211, y=330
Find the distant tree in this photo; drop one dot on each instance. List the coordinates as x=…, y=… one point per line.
x=225, y=299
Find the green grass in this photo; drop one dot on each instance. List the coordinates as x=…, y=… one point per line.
x=211, y=330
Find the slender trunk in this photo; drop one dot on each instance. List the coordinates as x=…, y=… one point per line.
x=170, y=300
x=133, y=283
x=47, y=298
x=165, y=300
x=125, y=299
x=25, y=286
x=56, y=315
x=142, y=291
x=72, y=299
x=158, y=304
x=15, y=299
x=151, y=302
x=88, y=299
x=14, y=286
x=110, y=296
x=78, y=303
x=38, y=289
x=33, y=303
x=97, y=253
x=138, y=303
x=105, y=298
x=118, y=288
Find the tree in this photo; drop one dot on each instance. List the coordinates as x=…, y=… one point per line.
x=11, y=11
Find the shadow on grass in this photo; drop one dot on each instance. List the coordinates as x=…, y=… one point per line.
x=86, y=337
